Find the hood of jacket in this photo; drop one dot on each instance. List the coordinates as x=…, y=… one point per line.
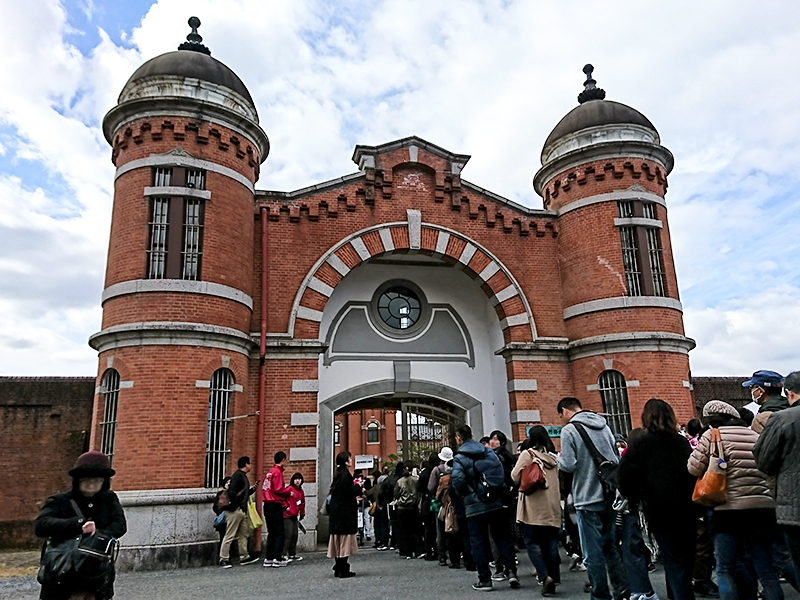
x=774, y=404
x=589, y=419
x=472, y=449
x=548, y=460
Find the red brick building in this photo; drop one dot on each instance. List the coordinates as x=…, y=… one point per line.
x=239, y=320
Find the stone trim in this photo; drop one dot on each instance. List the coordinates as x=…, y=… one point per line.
x=522, y=385
x=202, y=384
x=386, y=239
x=540, y=350
x=338, y=264
x=489, y=271
x=184, y=160
x=305, y=419
x=305, y=385
x=593, y=387
x=525, y=416
x=632, y=383
x=177, y=191
x=125, y=385
x=467, y=253
x=296, y=454
x=360, y=247
x=320, y=286
x=166, y=496
x=442, y=238
x=286, y=348
x=612, y=197
x=640, y=341
x=520, y=319
x=414, y=218
x=309, y=314
x=505, y=294
x=206, y=288
x=172, y=333
x=620, y=302
x=638, y=222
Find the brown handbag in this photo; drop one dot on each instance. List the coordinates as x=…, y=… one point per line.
x=711, y=489
x=533, y=477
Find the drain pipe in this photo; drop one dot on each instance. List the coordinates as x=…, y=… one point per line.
x=262, y=375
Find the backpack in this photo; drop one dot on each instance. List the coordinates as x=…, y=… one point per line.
x=490, y=477
x=607, y=471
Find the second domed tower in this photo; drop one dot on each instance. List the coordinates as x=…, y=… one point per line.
x=604, y=171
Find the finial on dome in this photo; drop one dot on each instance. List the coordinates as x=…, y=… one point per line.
x=590, y=91
x=194, y=39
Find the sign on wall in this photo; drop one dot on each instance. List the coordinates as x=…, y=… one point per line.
x=554, y=431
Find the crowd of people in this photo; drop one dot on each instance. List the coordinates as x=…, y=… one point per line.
x=616, y=504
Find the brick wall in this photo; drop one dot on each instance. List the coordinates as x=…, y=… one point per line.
x=44, y=425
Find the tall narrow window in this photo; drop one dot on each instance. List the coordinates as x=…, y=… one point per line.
x=108, y=426
x=336, y=429
x=614, y=392
x=192, y=229
x=196, y=178
x=640, y=240
x=157, y=251
x=162, y=176
x=217, y=442
x=630, y=261
x=656, y=262
x=373, y=430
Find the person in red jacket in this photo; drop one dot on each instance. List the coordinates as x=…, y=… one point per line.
x=294, y=512
x=275, y=498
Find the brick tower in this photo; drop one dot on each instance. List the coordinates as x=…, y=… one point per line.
x=177, y=303
x=604, y=172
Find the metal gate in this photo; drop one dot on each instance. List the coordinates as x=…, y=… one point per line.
x=426, y=428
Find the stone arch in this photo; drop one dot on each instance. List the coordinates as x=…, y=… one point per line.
x=477, y=262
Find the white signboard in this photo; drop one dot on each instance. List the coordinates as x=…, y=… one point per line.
x=364, y=461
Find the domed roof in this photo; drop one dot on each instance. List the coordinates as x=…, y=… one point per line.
x=595, y=111
x=191, y=63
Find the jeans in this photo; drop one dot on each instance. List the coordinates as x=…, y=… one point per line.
x=600, y=554
x=735, y=583
x=783, y=559
x=541, y=542
x=633, y=555
x=496, y=523
x=273, y=518
x=677, y=546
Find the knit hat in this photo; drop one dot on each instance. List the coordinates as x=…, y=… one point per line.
x=446, y=454
x=719, y=407
x=92, y=464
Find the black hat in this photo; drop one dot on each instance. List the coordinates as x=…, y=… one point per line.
x=92, y=464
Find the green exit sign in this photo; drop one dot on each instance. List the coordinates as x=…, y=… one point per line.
x=554, y=431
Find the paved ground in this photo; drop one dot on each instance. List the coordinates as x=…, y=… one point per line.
x=380, y=575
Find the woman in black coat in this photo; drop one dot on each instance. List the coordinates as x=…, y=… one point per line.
x=342, y=511
x=102, y=512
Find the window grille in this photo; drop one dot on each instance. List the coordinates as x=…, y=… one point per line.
x=625, y=208
x=372, y=433
x=162, y=176
x=648, y=210
x=192, y=229
x=196, y=178
x=157, y=251
x=217, y=443
x=630, y=261
x=614, y=392
x=108, y=426
x=656, y=262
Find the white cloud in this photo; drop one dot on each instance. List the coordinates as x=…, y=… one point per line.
x=490, y=78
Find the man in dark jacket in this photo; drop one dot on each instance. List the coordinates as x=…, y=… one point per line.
x=595, y=517
x=237, y=524
x=483, y=516
x=776, y=453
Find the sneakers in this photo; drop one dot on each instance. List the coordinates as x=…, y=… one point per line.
x=499, y=577
x=225, y=564
x=280, y=562
x=253, y=558
x=482, y=586
x=650, y=596
x=295, y=558
x=513, y=580
x=268, y=562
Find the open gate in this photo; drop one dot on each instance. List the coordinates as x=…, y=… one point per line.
x=425, y=428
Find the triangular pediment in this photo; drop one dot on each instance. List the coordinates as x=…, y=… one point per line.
x=412, y=149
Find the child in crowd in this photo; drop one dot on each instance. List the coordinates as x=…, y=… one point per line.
x=292, y=515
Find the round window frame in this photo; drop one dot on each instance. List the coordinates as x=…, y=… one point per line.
x=385, y=328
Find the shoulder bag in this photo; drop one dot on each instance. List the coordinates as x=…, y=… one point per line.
x=533, y=476
x=711, y=488
x=606, y=469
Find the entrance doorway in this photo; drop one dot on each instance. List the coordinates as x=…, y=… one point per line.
x=425, y=428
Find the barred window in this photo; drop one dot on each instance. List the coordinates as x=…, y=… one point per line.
x=162, y=176
x=656, y=262
x=630, y=260
x=372, y=432
x=108, y=426
x=648, y=210
x=196, y=178
x=614, y=392
x=157, y=249
x=192, y=230
x=217, y=442
x=625, y=208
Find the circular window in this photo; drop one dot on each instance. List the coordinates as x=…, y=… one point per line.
x=399, y=307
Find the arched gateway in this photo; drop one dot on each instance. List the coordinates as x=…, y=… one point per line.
x=239, y=321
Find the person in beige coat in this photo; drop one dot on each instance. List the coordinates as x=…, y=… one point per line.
x=746, y=520
x=540, y=511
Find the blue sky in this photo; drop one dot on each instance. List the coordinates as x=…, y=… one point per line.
x=490, y=79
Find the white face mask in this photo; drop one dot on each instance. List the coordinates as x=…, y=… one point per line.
x=756, y=394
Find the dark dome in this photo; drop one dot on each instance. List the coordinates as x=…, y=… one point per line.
x=595, y=113
x=188, y=63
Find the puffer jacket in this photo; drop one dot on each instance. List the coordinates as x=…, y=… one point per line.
x=542, y=507
x=463, y=478
x=776, y=454
x=747, y=486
